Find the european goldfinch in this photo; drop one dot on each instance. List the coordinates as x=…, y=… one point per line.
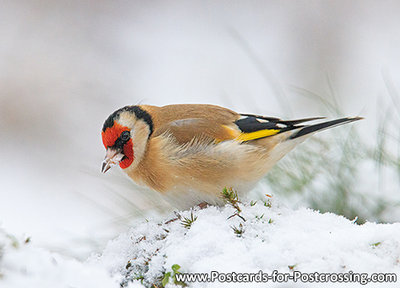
x=190, y=152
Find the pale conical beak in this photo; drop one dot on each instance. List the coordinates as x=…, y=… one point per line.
x=113, y=157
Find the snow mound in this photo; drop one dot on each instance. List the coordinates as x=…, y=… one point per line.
x=249, y=238
x=240, y=238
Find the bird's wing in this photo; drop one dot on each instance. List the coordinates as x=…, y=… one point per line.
x=246, y=128
x=201, y=122
x=209, y=123
x=204, y=130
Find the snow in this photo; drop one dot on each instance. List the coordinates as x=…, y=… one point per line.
x=274, y=237
x=24, y=265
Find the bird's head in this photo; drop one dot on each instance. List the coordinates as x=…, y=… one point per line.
x=125, y=134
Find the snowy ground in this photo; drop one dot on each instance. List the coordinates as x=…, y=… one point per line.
x=268, y=237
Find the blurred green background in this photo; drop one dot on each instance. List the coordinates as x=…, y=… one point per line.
x=66, y=65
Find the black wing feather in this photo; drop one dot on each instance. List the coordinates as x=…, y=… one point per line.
x=252, y=123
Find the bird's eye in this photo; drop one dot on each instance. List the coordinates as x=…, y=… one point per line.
x=125, y=136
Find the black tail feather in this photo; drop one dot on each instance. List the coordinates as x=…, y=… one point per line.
x=321, y=126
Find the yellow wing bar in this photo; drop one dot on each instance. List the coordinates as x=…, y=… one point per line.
x=256, y=134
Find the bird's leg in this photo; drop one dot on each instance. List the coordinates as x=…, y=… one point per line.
x=203, y=205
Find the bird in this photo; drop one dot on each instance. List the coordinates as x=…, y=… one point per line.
x=190, y=152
